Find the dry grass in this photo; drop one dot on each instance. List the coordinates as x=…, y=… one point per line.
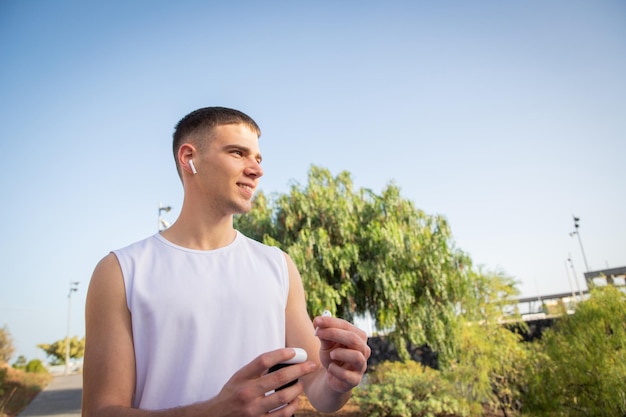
x=19, y=389
x=307, y=410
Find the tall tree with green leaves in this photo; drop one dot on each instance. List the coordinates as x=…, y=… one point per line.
x=361, y=252
x=579, y=366
x=56, y=350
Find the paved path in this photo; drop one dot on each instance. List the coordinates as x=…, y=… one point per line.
x=61, y=398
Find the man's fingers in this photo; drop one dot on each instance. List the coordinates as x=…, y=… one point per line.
x=346, y=379
x=344, y=352
x=349, y=359
x=289, y=374
x=253, y=385
x=262, y=363
x=326, y=321
x=353, y=339
x=283, y=404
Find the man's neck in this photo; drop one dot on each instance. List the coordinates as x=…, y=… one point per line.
x=194, y=232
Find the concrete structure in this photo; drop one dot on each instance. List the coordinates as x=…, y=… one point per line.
x=611, y=276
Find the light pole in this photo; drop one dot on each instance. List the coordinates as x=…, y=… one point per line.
x=577, y=233
x=162, y=223
x=569, y=279
x=569, y=258
x=73, y=287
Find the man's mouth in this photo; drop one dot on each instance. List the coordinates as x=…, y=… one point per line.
x=246, y=187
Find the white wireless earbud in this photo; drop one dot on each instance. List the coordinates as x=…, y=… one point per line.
x=193, y=168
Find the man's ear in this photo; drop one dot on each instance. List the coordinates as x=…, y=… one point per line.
x=186, y=153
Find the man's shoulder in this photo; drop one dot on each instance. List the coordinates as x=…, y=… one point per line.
x=255, y=244
x=138, y=246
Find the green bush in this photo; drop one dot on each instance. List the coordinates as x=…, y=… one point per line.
x=408, y=389
x=35, y=366
x=579, y=366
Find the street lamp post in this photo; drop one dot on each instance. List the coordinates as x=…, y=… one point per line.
x=569, y=259
x=569, y=279
x=73, y=287
x=162, y=223
x=580, y=242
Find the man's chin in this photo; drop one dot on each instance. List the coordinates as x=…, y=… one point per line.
x=242, y=209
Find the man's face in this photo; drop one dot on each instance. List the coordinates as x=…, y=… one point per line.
x=230, y=168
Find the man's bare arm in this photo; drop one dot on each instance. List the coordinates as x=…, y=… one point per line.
x=109, y=364
x=340, y=349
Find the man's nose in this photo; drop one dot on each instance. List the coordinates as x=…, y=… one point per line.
x=254, y=169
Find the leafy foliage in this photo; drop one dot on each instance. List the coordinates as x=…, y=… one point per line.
x=408, y=389
x=491, y=357
x=361, y=252
x=579, y=366
x=18, y=388
x=6, y=345
x=487, y=372
x=33, y=366
x=56, y=350
x=20, y=363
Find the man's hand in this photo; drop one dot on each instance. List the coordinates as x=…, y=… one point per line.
x=250, y=391
x=343, y=352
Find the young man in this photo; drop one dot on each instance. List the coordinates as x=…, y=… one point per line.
x=188, y=322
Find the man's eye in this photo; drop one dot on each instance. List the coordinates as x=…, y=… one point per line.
x=238, y=153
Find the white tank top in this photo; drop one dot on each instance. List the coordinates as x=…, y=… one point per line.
x=199, y=316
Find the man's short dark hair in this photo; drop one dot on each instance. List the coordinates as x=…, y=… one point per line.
x=200, y=123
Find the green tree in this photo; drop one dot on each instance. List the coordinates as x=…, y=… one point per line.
x=6, y=345
x=56, y=350
x=579, y=366
x=488, y=370
x=361, y=252
x=20, y=363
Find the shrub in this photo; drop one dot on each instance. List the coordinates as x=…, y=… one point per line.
x=19, y=388
x=489, y=373
x=3, y=377
x=35, y=366
x=579, y=367
x=407, y=389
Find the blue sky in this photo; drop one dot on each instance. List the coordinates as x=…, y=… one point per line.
x=505, y=117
